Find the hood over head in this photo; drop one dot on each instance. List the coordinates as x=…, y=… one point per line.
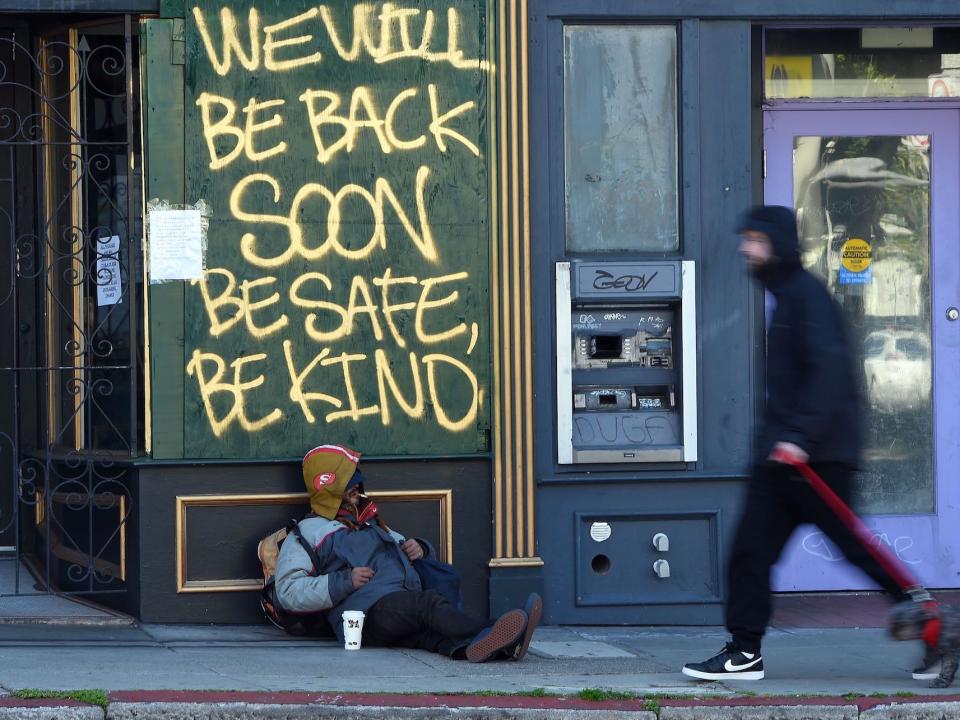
x=328, y=470
x=780, y=225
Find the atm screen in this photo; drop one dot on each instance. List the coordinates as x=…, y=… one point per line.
x=606, y=347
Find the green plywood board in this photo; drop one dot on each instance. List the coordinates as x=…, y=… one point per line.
x=172, y=8
x=164, y=152
x=304, y=265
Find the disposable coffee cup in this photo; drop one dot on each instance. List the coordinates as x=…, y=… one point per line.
x=352, y=629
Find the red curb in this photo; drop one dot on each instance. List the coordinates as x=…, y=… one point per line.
x=42, y=702
x=374, y=700
x=496, y=701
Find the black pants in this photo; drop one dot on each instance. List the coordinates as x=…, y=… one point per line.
x=423, y=620
x=778, y=500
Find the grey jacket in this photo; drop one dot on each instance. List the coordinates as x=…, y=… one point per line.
x=301, y=589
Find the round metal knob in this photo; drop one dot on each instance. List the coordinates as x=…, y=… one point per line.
x=952, y=314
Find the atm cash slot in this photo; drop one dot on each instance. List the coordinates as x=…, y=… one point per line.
x=601, y=398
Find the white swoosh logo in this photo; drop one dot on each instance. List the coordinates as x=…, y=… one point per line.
x=730, y=667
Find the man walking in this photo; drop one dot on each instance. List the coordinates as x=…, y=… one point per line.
x=811, y=416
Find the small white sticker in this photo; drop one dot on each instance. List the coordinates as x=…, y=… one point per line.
x=600, y=531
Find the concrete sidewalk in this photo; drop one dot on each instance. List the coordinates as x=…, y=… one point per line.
x=257, y=672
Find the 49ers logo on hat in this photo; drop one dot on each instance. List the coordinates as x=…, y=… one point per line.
x=324, y=479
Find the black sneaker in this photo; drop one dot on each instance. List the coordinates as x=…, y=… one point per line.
x=929, y=668
x=729, y=664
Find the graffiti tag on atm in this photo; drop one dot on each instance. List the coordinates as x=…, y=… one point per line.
x=604, y=280
x=625, y=429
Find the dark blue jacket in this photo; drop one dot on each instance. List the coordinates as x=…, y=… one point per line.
x=813, y=397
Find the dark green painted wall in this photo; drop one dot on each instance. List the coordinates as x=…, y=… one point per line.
x=413, y=159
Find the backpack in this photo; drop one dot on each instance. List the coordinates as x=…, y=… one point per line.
x=268, y=550
x=442, y=577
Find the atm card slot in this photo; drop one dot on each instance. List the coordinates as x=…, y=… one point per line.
x=606, y=398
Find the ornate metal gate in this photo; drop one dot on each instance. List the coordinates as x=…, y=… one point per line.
x=71, y=353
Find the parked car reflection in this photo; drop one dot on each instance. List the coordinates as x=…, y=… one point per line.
x=896, y=366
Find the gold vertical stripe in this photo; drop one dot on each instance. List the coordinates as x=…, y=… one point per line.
x=78, y=242
x=517, y=269
x=528, y=270
x=506, y=529
x=514, y=486
x=50, y=331
x=123, y=537
x=181, y=543
x=147, y=378
x=495, y=311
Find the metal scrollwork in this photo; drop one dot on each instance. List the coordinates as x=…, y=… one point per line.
x=68, y=273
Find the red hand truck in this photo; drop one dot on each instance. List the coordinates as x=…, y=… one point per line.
x=887, y=560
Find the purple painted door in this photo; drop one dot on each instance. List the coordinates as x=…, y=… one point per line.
x=877, y=195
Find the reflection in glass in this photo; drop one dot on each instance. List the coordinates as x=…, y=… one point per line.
x=863, y=209
x=620, y=125
x=862, y=62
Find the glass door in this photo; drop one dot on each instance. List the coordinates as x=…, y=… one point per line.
x=877, y=196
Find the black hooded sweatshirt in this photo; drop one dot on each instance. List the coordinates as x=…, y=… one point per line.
x=812, y=394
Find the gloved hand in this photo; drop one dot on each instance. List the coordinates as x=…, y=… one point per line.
x=788, y=454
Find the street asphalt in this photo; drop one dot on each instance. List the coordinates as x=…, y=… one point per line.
x=232, y=672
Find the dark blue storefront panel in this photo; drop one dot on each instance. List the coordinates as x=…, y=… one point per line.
x=627, y=568
x=612, y=581
x=695, y=504
x=727, y=322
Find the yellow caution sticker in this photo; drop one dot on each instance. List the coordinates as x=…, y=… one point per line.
x=856, y=255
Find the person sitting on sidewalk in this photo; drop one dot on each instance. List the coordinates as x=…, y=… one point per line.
x=366, y=566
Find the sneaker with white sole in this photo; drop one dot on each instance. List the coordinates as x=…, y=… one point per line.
x=731, y=663
x=929, y=667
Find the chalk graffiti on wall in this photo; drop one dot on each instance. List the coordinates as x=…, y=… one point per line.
x=332, y=295
x=819, y=545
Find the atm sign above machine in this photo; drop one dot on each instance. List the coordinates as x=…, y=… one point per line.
x=602, y=279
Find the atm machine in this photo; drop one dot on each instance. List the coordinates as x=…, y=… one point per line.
x=643, y=548
x=626, y=362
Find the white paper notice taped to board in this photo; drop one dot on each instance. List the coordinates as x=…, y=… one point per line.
x=176, y=245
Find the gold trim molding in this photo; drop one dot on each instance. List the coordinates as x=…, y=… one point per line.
x=516, y=562
x=511, y=294
x=443, y=498
x=73, y=555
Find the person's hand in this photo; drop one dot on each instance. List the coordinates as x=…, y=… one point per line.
x=412, y=549
x=788, y=454
x=361, y=576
